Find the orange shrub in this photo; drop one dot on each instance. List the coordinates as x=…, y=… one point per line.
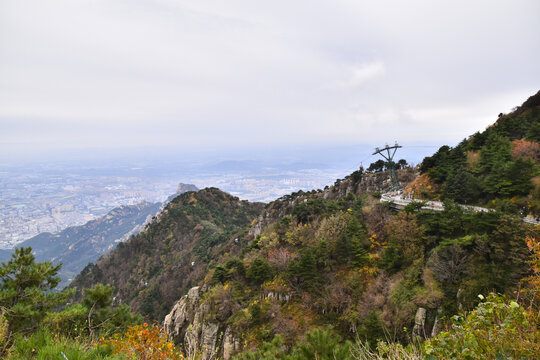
x=526, y=149
x=144, y=342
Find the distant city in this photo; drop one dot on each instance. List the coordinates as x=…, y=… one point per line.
x=38, y=202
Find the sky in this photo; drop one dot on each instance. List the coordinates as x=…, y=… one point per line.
x=88, y=75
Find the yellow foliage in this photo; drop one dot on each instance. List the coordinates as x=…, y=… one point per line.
x=534, y=280
x=332, y=227
x=375, y=244
x=144, y=342
x=192, y=200
x=269, y=240
x=473, y=157
x=3, y=327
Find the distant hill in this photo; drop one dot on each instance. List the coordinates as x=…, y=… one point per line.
x=76, y=246
x=182, y=188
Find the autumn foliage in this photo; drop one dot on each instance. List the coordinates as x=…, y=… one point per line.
x=534, y=279
x=144, y=342
x=526, y=149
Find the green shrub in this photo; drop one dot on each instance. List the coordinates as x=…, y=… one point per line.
x=259, y=272
x=496, y=329
x=320, y=344
x=385, y=351
x=274, y=350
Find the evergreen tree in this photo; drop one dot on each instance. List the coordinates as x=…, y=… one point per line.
x=359, y=253
x=343, y=249
x=304, y=270
x=97, y=298
x=533, y=134
x=322, y=344
x=259, y=272
x=379, y=165
x=220, y=275
x=402, y=164
x=499, y=261
x=26, y=294
x=461, y=186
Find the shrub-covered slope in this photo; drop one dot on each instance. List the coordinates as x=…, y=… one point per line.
x=154, y=268
x=337, y=257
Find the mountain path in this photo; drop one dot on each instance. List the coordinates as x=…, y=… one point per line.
x=401, y=202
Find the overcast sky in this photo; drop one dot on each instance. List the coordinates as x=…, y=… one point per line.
x=217, y=74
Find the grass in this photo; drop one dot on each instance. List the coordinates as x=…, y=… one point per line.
x=44, y=346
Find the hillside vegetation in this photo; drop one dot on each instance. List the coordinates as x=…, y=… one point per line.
x=353, y=264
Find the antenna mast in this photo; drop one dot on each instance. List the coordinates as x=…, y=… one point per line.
x=389, y=157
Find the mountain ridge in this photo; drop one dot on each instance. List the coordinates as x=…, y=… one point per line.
x=181, y=239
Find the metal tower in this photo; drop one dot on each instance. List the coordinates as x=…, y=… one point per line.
x=389, y=156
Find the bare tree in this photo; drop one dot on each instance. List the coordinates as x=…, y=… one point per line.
x=448, y=264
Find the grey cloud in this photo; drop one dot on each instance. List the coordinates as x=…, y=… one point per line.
x=215, y=73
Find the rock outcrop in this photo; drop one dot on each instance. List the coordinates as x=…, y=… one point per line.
x=420, y=322
x=283, y=297
x=187, y=325
x=271, y=214
x=231, y=344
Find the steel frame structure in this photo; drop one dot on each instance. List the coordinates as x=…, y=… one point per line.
x=389, y=157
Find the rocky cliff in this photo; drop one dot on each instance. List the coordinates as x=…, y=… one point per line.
x=188, y=323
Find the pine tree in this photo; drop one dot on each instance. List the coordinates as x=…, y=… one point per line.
x=26, y=294
x=97, y=300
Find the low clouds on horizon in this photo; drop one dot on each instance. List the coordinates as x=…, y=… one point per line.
x=83, y=73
